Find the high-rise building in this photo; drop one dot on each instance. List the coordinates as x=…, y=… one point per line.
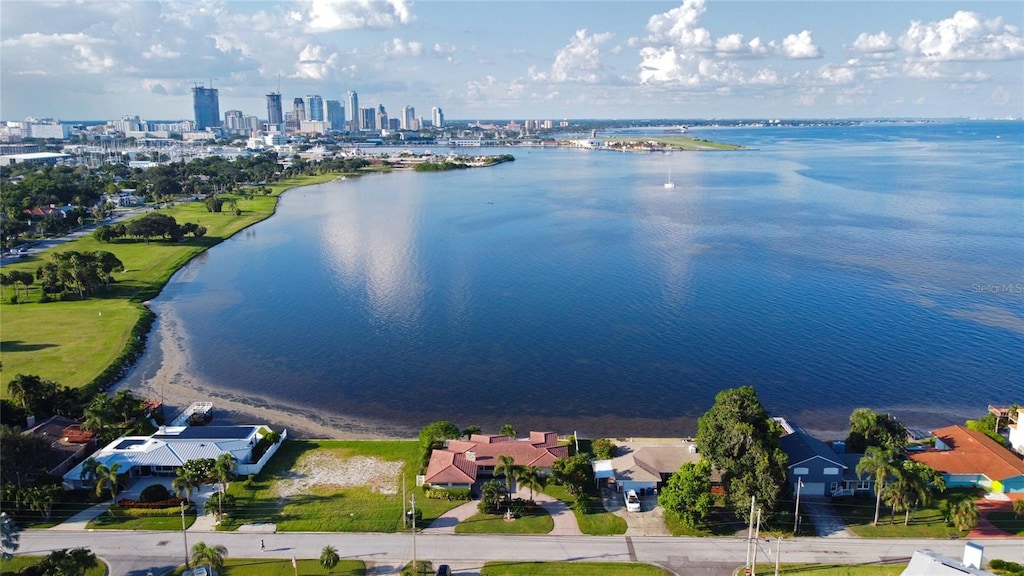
x=206, y=106
x=382, y=118
x=353, y=110
x=234, y=120
x=437, y=117
x=367, y=118
x=275, y=115
x=314, y=107
x=335, y=115
x=299, y=110
x=408, y=116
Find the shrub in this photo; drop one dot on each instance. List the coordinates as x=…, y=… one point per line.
x=154, y=493
x=141, y=510
x=583, y=504
x=449, y=494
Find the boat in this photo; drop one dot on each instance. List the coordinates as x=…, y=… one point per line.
x=669, y=183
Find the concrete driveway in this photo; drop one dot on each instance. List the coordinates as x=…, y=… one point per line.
x=827, y=524
x=649, y=521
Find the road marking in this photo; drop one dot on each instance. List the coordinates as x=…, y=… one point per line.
x=632, y=551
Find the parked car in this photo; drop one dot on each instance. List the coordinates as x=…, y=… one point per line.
x=632, y=501
x=444, y=570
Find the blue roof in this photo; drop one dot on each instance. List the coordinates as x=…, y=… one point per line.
x=801, y=447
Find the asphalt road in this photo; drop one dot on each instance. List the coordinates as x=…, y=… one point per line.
x=136, y=553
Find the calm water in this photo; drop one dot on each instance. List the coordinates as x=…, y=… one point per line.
x=831, y=268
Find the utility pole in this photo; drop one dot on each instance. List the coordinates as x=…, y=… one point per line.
x=757, y=544
x=405, y=519
x=184, y=535
x=414, y=567
x=750, y=531
x=778, y=552
x=796, y=515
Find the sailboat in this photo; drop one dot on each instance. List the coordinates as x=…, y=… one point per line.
x=669, y=183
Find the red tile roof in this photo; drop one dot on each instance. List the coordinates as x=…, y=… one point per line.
x=541, y=450
x=450, y=468
x=972, y=453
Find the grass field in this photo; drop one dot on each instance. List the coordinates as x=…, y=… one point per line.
x=570, y=569
x=597, y=523
x=834, y=569
x=539, y=522
x=329, y=508
x=71, y=342
x=171, y=521
x=14, y=565
x=925, y=523
x=283, y=567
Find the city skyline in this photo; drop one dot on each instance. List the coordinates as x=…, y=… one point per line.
x=600, y=59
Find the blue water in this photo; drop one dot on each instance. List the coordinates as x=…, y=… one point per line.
x=879, y=265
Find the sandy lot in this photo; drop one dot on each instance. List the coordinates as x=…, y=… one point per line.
x=322, y=469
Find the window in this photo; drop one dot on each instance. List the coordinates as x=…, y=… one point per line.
x=831, y=471
x=864, y=485
x=832, y=487
x=800, y=471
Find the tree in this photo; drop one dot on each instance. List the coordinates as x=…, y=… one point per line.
x=68, y=563
x=1018, y=508
x=470, y=430
x=22, y=455
x=880, y=463
x=506, y=467
x=603, y=448
x=687, y=495
x=31, y=391
x=433, y=436
x=869, y=428
x=211, y=555
x=185, y=481
x=490, y=496
x=127, y=405
x=963, y=514
x=987, y=425
x=532, y=478
x=329, y=558
x=224, y=472
x=90, y=469
x=508, y=430
x=8, y=536
x=99, y=415
x=574, y=473
x=737, y=437
x=106, y=477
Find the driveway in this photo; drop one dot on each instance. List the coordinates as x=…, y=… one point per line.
x=827, y=524
x=564, y=520
x=649, y=521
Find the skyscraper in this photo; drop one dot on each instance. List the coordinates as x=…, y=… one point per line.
x=275, y=115
x=367, y=118
x=335, y=115
x=314, y=107
x=353, y=110
x=408, y=116
x=437, y=117
x=206, y=105
x=299, y=110
x=382, y=118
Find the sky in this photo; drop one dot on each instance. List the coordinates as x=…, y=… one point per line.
x=511, y=59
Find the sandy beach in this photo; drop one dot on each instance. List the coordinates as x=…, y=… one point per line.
x=179, y=386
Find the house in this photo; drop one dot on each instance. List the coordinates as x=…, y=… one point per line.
x=1016, y=427
x=645, y=465
x=967, y=457
x=461, y=462
x=822, y=471
x=69, y=443
x=171, y=446
x=931, y=563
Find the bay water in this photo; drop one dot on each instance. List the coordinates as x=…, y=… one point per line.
x=830, y=267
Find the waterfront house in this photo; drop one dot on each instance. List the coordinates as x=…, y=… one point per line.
x=69, y=444
x=967, y=457
x=161, y=454
x=462, y=462
x=824, y=470
x=645, y=465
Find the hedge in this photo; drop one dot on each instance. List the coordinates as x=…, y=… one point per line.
x=143, y=510
x=448, y=494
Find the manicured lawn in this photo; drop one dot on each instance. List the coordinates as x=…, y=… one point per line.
x=570, y=569
x=539, y=522
x=834, y=569
x=332, y=508
x=1008, y=522
x=283, y=567
x=926, y=523
x=596, y=523
x=721, y=522
x=172, y=521
x=14, y=565
x=60, y=512
x=71, y=342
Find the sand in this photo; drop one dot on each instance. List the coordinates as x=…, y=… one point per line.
x=178, y=385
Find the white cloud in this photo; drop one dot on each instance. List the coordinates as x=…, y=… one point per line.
x=964, y=37
x=92, y=61
x=402, y=49
x=315, y=63
x=36, y=40
x=579, y=61
x=876, y=46
x=159, y=51
x=332, y=15
x=800, y=46
x=678, y=27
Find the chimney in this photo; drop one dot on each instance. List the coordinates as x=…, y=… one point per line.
x=471, y=455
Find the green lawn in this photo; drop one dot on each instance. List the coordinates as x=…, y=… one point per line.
x=834, y=569
x=539, y=522
x=283, y=567
x=14, y=565
x=331, y=508
x=684, y=143
x=1008, y=522
x=71, y=342
x=596, y=523
x=171, y=521
x=60, y=512
x=721, y=522
x=925, y=523
x=570, y=569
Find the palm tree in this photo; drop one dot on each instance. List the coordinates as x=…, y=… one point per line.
x=1018, y=508
x=964, y=514
x=99, y=415
x=224, y=471
x=329, y=558
x=212, y=555
x=470, y=430
x=508, y=430
x=185, y=482
x=924, y=482
x=107, y=477
x=506, y=467
x=532, y=478
x=81, y=559
x=89, y=469
x=8, y=536
x=881, y=464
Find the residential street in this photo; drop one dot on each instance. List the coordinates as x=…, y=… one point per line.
x=136, y=553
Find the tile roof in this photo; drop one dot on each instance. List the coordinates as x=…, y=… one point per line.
x=972, y=453
x=450, y=468
x=541, y=450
